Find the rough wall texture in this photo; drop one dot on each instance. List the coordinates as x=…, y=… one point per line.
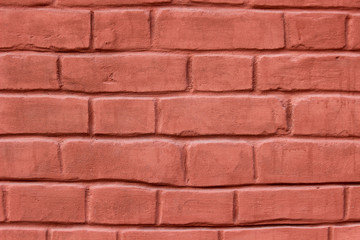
x=179, y=120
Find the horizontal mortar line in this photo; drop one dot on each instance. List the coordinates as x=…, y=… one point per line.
x=255, y=52
x=178, y=94
x=57, y=225
x=204, y=6
x=180, y=139
x=168, y=186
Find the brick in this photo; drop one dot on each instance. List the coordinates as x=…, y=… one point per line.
x=108, y=2
x=116, y=73
x=196, y=207
x=29, y=158
x=121, y=205
x=308, y=162
x=353, y=32
x=25, y=2
x=290, y=205
x=345, y=232
x=146, y=161
x=305, y=3
x=284, y=233
x=124, y=116
x=12, y=233
x=82, y=234
x=315, y=30
x=46, y=203
x=219, y=163
x=217, y=29
x=221, y=1
x=2, y=207
x=221, y=73
x=221, y=115
x=121, y=29
x=353, y=195
x=42, y=29
x=43, y=114
x=308, y=72
x=28, y=71
x=170, y=235
x=326, y=116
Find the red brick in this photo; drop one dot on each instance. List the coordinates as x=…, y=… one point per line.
x=284, y=233
x=305, y=3
x=219, y=163
x=308, y=72
x=28, y=71
x=43, y=114
x=111, y=204
x=107, y=2
x=2, y=210
x=25, y=2
x=170, y=235
x=327, y=116
x=345, y=232
x=221, y=115
x=218, y=29
x=116, y=73
x=29, y=158
x=221, y=1
x=353, y=32
x=146, y=161
x=124, y=116
x=315, y=30
x=82, y=234
x=290, y=204
x=196, y=207
x=46, y=203
x=353, y=210
x=308, y=162
x=42, y=29
x=11, y=233
x=221, y=73
x=121, y=29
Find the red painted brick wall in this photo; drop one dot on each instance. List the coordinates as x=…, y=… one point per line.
x=179, y=120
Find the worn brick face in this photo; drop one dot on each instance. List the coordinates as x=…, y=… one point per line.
x=221, y=73
x=155, y=162
x=82, y=234
x=219, y=163
x=170, y=235
x=29, y=29
x=278, y=234
x=28, y=71
x=43, y=114
x=187, y=207
x=121, y=205
x=46, y=203
x=25, y=159
x=124, y=116
x=121, y=29
x=221, y=115
x=288, y=205
x=326, y=116
x=204, y=29
x=308, y=73
x=22, y=233
x=315, y=31
x=308, y=161
x=123, y=73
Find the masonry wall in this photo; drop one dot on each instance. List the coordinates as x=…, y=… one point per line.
x=179, y=120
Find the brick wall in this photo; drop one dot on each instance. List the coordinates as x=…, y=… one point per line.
x=179, y=120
